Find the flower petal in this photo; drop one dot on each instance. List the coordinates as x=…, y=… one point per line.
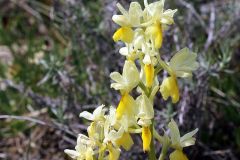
x=72, y=153
x=174, y=133
x=86, y=115
x=169, y=87
x=187, y=139
x=183, y=63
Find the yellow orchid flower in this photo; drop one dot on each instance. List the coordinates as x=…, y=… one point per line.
x=83, y=149
x=155, y=12
x=97, y=115
x=131, y=18
x=146, y=111
x=127, y=20
x=146, y=114
x=182, y=64
x=155, y=31
x=155, y=19
x=177, y=141
x=129, y=78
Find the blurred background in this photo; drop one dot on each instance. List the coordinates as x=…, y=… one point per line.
x=55, y=61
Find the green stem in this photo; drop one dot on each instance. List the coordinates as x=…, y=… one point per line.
x=143, y=87
x=162, y=156
x=157, y=136
x=164, y=65
x=165, y=146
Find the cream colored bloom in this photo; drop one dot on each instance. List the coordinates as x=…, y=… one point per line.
x=182, y=64
x=132, y=51
x=146, y=112
x=98, y=114
x=110, y=134
x=177, y=141
x=122, y=137
x=131, y=18
x=117, y=138
x=129, y=52
x=129, y=78
x=83, y=149
x=127, y=20
x=155, y=12
x=155, y=19
x=149, y=54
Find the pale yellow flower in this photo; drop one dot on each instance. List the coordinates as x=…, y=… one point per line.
x=83, y=149
x=177, y=141
x=129, y=78
x=155, y=19
x=155, y=32
x=182, y=64
x=116, y=138
x=155, y=12
x=146, y=112
x=98, y=114
x=127, y=20
x=131, y=18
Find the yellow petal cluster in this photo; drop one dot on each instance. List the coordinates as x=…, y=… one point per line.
x=110, y=130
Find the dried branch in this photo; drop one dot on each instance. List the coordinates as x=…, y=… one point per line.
x=210, y=28
x=37, y=121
